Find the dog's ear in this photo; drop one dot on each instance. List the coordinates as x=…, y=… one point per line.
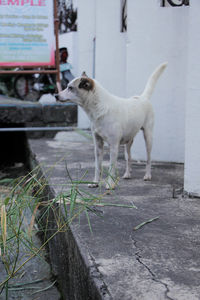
x=84, y=74
x=86, y=84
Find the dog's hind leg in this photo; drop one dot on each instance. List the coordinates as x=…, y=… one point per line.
x=127, y=152
x=148, y=137
x=98, y=151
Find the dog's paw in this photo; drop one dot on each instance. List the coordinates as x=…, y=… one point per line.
x=93, y=185
x=147, y=177
x=126, y=176
x=110, y=186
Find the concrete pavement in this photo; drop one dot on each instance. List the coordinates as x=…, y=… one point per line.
x=161, y=260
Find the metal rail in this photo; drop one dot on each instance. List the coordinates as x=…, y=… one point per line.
x=29, y=72
x=13, y=129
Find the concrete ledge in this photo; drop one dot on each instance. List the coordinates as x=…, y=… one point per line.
x=17, y=112
x=77, y=273
x=158, y=261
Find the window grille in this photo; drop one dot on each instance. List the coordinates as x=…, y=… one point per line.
x=67, y=15
x=123, y=15
x=175, y=3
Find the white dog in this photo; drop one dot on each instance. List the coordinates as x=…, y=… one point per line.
x=114, y=120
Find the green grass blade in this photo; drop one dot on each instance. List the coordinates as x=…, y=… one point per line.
x=144, y=223
x=88, y=219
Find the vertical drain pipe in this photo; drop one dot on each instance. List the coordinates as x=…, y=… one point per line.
x=94, y=42
x=94, y=58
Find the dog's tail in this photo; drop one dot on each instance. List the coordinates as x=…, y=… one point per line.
x=149, y=88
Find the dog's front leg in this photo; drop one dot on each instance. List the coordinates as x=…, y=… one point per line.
x=98, y=152
x=127, y=152
x=112, y=180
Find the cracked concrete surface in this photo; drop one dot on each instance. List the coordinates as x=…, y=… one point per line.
x=159, y=261
x=139, y=259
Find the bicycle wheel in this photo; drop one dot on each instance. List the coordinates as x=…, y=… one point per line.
x=24, y=88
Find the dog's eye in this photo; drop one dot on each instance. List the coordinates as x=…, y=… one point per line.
x=70, y=88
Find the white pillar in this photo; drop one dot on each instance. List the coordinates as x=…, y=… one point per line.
x=86, y=35
x=192, y=124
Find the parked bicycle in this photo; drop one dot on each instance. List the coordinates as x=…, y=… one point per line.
x=32, y=87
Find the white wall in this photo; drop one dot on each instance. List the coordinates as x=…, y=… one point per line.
x=192, y=138
x=123, y=62
x=157, y=34
x=110, y=47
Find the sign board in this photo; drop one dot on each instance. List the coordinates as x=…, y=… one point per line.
x=27, y=33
